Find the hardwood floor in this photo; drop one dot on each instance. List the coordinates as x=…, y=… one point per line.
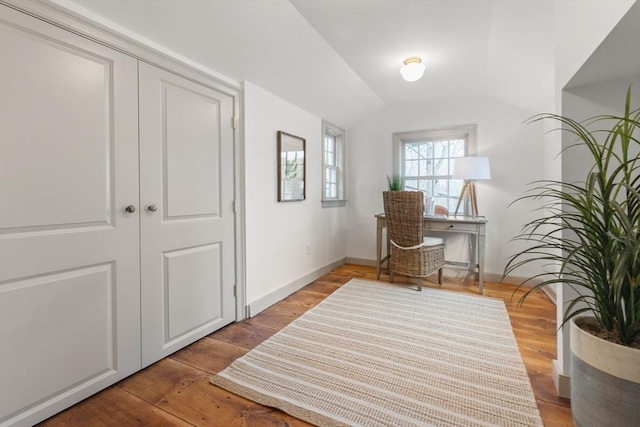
x=176, y=390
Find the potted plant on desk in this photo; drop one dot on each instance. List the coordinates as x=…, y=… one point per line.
x=396, y=183
x=592, y=230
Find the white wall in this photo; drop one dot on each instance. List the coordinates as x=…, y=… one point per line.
x=581, y=25
x=277, y=233
x=584, y=102
x=515, y=151
x=588, y=45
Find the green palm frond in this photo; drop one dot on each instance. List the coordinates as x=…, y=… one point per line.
x=591, y=229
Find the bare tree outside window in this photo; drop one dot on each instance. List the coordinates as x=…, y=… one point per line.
x=425, y=160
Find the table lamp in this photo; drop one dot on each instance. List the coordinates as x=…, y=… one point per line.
x=470, y=169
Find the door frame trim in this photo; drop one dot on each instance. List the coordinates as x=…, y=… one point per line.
x=102, y=33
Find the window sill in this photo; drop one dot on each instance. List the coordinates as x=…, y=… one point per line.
x=334, y=203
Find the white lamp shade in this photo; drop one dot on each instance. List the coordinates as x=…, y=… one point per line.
x=471, y=168
x=412, y=71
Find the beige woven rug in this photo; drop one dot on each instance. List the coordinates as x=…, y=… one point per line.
x=375, y=354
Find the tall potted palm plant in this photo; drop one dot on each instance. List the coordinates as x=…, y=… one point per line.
x=591, y=229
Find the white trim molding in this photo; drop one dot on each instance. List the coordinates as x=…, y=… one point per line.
x=488, y=277
x=340, y=150
x=76, y=19
x=469, y=132
x=266, y=301
x=561, y=381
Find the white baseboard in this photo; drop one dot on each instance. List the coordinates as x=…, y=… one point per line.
x=361, y=261
x=550, y=290
x=266, y=301
x=490, y=277
x=561, y=381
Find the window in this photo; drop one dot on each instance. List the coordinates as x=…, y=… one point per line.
x=333, y=166
x=425, y=160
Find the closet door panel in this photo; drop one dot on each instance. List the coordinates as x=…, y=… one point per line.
x=35, y=127
x=68, y=343
x=192, y=159
x=69, y=252
x=193, y=288
x=187, y=242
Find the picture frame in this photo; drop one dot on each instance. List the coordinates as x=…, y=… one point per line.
x=291, y=167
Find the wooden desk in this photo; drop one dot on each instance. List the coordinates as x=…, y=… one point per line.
x=453, y=224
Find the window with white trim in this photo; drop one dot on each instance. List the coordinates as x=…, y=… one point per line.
x=333, y=165
x=425, y=161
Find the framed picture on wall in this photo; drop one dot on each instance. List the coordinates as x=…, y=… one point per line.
x=291, y=167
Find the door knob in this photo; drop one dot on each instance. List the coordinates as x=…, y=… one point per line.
x=130, y=209
x=152, y=208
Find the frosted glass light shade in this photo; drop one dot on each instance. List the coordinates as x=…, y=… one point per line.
x=471, y=168
x=413, y=69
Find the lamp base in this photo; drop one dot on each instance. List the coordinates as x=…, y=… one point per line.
x=468, y=187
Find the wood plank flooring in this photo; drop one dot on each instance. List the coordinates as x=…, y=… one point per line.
x=176, y=391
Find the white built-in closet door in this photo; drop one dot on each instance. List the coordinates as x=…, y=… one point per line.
x=69, y=253
x=187, y=223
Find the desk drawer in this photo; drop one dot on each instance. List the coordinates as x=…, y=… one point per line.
x=447, y=226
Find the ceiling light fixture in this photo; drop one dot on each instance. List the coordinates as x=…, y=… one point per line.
x=412, y=69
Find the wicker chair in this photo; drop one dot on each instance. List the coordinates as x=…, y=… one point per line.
x=411, y=254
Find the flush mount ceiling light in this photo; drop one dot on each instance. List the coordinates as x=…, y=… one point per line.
x=412, y=69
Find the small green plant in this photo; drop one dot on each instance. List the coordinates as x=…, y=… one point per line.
x=396, y=183
x=591, y=229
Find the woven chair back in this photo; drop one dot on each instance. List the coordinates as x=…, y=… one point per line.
x=404, y=211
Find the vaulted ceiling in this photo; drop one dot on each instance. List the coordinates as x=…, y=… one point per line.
x=340, y=59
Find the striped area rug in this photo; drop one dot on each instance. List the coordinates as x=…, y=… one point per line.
x=375, y=354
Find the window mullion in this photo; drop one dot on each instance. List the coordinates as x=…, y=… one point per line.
x=424, y=160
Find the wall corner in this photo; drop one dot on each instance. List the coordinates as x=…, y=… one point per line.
x=561, y=380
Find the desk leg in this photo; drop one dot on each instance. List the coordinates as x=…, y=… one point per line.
x=378, y=249
x=481, y=239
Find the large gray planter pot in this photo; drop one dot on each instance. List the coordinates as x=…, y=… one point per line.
x=605, y=380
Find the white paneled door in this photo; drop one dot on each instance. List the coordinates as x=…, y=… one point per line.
x=187, y=218
x=69, y=249
x=117, y=221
